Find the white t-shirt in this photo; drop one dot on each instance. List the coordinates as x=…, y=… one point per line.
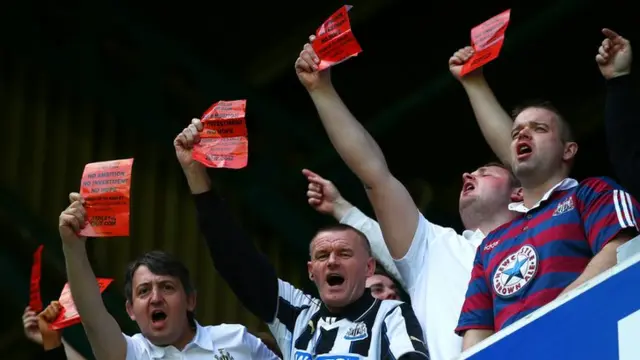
x=435, y=272
x=220, y=342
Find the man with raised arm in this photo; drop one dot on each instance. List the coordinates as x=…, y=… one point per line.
x=622, y=117
x=565, y=232
x=423, y=251
x=160, y=299
x=346, y=322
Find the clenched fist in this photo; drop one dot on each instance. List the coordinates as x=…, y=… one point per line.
x=183, y=143
x=457, y=61
x=72, y=220
x=307, y=68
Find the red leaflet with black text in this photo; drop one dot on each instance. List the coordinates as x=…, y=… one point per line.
x=223, y=141
x=334, y=42
x=487, y=39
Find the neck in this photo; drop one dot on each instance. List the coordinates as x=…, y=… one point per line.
x=532, y=192
x=186, y=337
x=488, y=220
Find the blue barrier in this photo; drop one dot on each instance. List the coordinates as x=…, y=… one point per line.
x=599, y=320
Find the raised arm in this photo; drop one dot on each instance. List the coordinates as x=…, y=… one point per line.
x=325, y=198
x=622, y=117
x=103, y=332
x=494, y=122
x=255, y=283
x=393, y=206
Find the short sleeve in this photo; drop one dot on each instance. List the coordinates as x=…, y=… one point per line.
x=477, y=310
x=135, y=348
x=605, y=210
x=291, y=303
x=412, y=265
x=404, y=333
x=259, y=350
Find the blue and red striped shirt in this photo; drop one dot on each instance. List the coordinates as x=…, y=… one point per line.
x=527, y=262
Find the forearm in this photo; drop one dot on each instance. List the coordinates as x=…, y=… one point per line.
x=604, y=260
x=340, y=208
x=474, y=336
x=622, y=123
x=102, y=330
x=494, y=122
x=248, y=272
x=72, y=354
x=350, y=139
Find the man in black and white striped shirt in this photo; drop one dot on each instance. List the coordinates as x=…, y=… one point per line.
x=346, y=322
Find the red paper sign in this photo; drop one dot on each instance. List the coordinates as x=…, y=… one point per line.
x=35, y=301
x=69, y=314
x=105, y=187
x=487, y=39
x=334, y=42
x=223, y=141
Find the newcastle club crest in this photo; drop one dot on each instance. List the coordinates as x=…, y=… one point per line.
x=515, y=272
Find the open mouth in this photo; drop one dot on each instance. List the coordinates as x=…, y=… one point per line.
x=467, y=187
x=335, y=279
x=523, y=149
x=158, y=316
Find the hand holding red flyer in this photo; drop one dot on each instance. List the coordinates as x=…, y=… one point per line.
x=223, y=141
x=69, y=314
x=486, y=40
x=334, y=42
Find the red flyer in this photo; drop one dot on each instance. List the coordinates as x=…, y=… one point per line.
x=35, y=301
x=223, y=141
x=487, y=39
x=69, y=314
x=105, y=187
x=334, y=42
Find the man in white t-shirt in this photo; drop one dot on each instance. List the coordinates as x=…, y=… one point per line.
x=160, y=299
x=430, y=259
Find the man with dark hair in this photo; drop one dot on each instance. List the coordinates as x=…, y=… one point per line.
x=346, y=322
x=160, y=299
x=566, y=232
x=382, y=285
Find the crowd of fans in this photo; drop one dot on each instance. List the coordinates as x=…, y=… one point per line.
x=532, y=234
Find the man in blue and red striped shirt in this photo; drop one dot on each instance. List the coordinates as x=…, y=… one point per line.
x=566, y=233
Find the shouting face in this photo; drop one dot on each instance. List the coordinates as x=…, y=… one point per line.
x=339, y=266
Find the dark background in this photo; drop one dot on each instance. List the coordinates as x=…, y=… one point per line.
x=153, y=66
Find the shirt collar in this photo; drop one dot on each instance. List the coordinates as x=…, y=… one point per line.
x=565, y=184
x=200, y=340
x=475, y=237
x=353, y=311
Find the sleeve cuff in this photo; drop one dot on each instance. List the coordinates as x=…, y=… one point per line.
x=460, y=330
x=353, y=216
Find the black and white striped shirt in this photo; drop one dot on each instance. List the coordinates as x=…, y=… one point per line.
x=366, y=329
x=302, y=325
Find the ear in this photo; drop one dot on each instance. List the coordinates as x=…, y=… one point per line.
x=570, y=151
x=310, y=269
x=371, y=266
x=191, y=301
x=516, y=195
x=129, y=308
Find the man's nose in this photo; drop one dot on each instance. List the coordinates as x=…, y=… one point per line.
x=524, y=133
x=333, y=259
x=156, y=296
x=467, y=176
